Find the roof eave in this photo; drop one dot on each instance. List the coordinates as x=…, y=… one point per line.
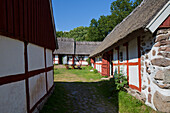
x=159, y=18
x=54, y=28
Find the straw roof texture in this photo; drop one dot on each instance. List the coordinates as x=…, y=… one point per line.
x=69, y=46
x=65, y=46
x=138, y=19
x=86, y=47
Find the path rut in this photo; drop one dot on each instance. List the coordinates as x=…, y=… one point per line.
x=83, y=98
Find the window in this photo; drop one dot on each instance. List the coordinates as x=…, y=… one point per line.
x=100, y=59
x=81, y=57
x=121, y=56
x=69, y=57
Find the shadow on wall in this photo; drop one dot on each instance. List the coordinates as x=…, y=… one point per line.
x=83, y=97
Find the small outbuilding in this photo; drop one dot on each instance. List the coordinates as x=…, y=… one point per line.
x=139, y=47
x=73, y=52
x=27, y=42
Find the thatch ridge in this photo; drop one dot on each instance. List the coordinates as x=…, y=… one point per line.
x=70, y=46
x=137, y=19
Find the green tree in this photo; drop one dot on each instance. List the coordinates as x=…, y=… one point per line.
x=59, y=34
x=94, y=33
x=136, y=3
x=120, y=9
x=100, y=28
x=79, y=33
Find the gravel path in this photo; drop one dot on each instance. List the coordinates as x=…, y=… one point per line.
x=82, y=98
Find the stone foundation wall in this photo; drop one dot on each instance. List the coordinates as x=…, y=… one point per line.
x=155, y=70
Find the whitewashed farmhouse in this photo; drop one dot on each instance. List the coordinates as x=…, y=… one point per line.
x=73, y=52
x=139, y=47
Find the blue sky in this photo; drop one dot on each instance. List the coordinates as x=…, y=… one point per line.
x=69, y=14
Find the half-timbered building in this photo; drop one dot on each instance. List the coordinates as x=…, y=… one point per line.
x=73, y=52
x=27, y=42
x=139, y=47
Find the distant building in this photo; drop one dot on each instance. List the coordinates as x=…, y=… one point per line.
x=139, y=47
x=27, y=42
x=73, y=52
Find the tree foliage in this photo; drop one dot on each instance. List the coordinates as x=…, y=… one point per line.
x=79, y=33
x=100, y=28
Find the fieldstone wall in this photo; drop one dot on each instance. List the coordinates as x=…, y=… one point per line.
x=155, y=70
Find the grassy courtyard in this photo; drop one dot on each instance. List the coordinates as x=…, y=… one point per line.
x=84, y=91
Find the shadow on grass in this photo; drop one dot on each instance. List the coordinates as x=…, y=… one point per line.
x=105, y=91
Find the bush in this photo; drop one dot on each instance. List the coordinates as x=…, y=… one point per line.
x=90, y=67
x=95, y=71
x=120, y=81
x=89, y=62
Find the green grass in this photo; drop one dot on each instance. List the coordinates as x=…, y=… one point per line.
x=79, y=75
x=86, y=74
x=57, y=101
x=124, y=102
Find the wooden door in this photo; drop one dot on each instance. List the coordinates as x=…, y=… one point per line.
x=105, y=65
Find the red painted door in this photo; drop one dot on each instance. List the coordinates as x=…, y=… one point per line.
x=105, y=65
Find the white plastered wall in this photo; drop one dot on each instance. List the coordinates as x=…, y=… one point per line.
x=11, y=56
x=133, y=57
x=75, y=61
x=70, y=60
x=84, y=63
x=50, y=79
x=123, y=68
x=35, y=57
x=86, y=57
x=37, y=88
x=13, y=98
x=98, y=67
x=12, y=62
x=115, y=60
x=92, y=65
x=49, y=63
x=133, y=50
x=49, y=58
x=37, y=83
x=134, y=76
x=115, y=69
x=56, y=59
x=115, y=56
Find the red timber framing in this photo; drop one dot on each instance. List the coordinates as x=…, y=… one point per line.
x=98, y=64
x=25, y=76
x=73, y=59
x=54, y=59
x=166, y=23
x=106, y=63
x=130, y=63
x=79, y=61
x=28, y=20
x=94, y=63
x=92, y=60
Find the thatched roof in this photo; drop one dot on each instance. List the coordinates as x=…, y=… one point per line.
x=85, y=47
x=69, y=46
x=65, y=46
x=138, y=19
